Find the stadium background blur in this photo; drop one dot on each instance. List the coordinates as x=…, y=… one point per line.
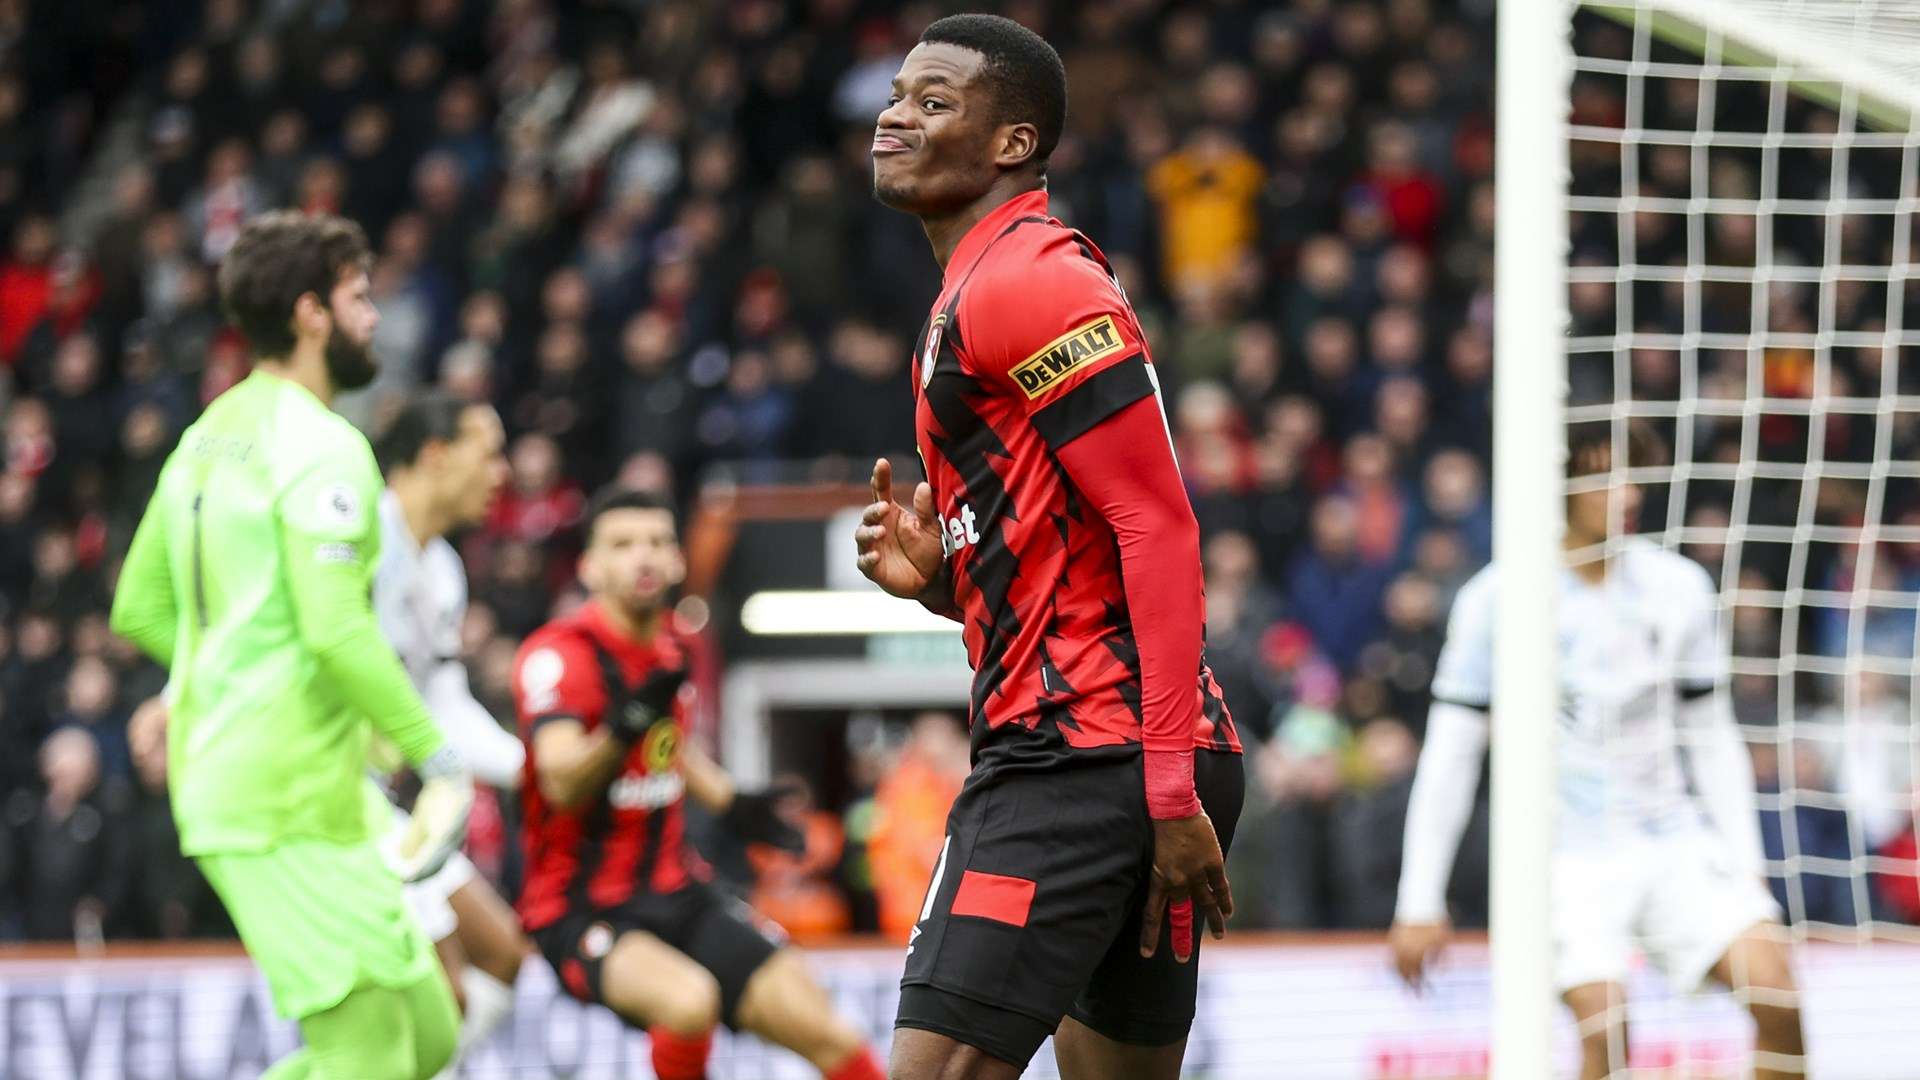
x=644, y=232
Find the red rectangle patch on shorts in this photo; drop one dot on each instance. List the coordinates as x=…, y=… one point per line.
x=994, y=896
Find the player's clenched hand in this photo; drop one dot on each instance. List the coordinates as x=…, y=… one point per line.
x=754, y=816
x=632, y=712
x=1188, y=872
x=1416, y=945
x=899, y=547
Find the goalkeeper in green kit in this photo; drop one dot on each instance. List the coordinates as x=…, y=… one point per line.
x=249, y=577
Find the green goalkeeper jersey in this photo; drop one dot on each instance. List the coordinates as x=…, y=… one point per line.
x=249, y=577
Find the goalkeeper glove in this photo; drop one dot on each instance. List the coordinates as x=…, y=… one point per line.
x=753, y=816
x=632, y=711
x=439, y=822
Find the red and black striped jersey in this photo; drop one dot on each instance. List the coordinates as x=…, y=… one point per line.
x=633, y=837
x=1030, y=345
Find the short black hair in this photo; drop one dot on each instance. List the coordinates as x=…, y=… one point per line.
x=615, y=497
x=278, y=258
x=1586, y=439
x=431, y=416
x=1029, y=82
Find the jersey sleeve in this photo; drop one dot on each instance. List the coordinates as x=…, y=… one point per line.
x=145, y=610
x=1053, y=333
x=1698, y=663
x=557, y=677
x=329, y=535
x=1464, y=673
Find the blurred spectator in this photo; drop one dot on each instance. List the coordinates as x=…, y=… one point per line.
x=1206, y=197
x=1332, y=588
x=1817, y=829
x=166, y=896
x=1282, y=862
x=796, y=891
x=910, y=822
x=73, y=843
x=539, y=501
x=1367, y=823
x=91, y=704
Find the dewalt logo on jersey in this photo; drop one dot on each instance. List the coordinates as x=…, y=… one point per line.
x=1065, y=354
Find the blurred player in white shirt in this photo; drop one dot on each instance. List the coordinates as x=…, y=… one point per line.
x=443, y=463
x=1657, y=841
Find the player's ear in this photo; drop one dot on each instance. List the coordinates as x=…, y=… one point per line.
x=1018, y=145
x=310, y=316
x=677, y=573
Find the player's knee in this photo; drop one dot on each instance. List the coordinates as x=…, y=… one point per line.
x=694, y=1006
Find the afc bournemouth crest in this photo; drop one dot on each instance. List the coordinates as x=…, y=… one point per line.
x=932, y=352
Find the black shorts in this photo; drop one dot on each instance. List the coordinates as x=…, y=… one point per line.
x=1034, y=911
x=719, y=932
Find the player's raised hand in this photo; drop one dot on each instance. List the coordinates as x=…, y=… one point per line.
x=899, y=547
x=1188, y=873
x=1416, y=946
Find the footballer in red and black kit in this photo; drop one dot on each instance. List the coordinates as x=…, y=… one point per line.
x=1055, y=527
x=615, y=897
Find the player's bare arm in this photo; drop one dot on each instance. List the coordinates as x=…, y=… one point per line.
x=574, y=765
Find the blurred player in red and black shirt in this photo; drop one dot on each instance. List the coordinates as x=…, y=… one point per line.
x=615, y=898
x=1056, y=529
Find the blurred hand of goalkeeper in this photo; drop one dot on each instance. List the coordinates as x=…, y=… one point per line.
x=438, y=824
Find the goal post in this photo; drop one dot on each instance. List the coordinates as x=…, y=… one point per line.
x=1533, y=57
x=1704, y=228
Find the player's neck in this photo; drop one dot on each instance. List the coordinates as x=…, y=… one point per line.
x=416, y=505
x=305, y=367
x=945, y=232
x=634, y=626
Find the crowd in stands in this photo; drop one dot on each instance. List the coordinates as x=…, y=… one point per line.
x=644, y=231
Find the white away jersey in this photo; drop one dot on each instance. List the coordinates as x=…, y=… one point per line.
x=420, y=595
x=1629, y=649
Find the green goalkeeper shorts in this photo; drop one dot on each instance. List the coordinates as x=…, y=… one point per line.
x=321, y=919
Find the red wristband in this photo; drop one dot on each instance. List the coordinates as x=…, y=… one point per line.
x=1170, y=793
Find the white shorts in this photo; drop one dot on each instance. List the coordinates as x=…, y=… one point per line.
x=428, y=897
x=1672, y=897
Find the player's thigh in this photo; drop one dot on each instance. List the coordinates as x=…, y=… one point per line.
x=320, y=919
x=488, y=930
x=919, y=1054
x=1701, y=907
x=1148, y=1001
x=1085, y=1054
x=727, y=938
x=1031, y=888
x=647, y=982
x=1600, y=1020
x=1760, y=963
x=784, y=1005
x=368, y=1035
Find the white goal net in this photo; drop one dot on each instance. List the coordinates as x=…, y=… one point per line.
x=1742, y=180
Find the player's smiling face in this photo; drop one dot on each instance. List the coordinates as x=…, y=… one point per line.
x=633, y=559
x=934, y=148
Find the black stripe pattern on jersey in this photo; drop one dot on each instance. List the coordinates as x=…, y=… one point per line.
x=1081, y=409
x=969, y=444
